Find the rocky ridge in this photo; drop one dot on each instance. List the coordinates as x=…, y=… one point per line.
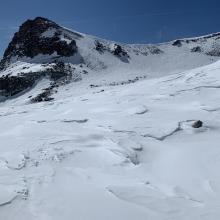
x=43, y=49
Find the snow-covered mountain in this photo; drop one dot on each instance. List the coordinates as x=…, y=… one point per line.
x=93, y=129
x=41, y=48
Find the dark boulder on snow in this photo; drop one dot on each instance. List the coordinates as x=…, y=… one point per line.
x=155, y=50
x=197, y=124
x=45, y=96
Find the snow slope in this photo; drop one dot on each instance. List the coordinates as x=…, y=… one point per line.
x=120, y=151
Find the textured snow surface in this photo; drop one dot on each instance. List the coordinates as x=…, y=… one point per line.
x=120, y=152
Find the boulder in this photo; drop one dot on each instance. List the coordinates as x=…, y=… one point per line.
x=197, y=124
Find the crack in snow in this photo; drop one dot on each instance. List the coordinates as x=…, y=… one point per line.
x=176, y=130
x=8, y=202
x=76, y=121
x=195, y=88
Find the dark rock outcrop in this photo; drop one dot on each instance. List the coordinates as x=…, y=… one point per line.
x=177, y=43
x=32, y=39
x=196, y=49
x=99, y=46
x=155, y=50
x=39, y=36
x=115, y=49
x=12, y=85
x=214, y=52
x=120, y=53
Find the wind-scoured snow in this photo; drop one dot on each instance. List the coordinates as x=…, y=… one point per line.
x=121, y=150
x=115, y=138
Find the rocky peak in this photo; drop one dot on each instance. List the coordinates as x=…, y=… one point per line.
x=38, y=36
x=37, y=26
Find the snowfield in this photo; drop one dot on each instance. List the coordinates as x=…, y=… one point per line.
x=115, y=152
x=98, y=130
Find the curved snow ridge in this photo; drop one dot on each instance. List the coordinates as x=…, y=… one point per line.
x=152, y=198
x=6, y=197
x=182, y=126
x=14, y=161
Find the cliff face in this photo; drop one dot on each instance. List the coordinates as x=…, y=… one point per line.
x=38, y=36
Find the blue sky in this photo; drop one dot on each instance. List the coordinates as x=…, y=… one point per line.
x=131, y=21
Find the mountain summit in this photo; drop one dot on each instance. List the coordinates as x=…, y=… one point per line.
x=39, y=37
x=43, y=49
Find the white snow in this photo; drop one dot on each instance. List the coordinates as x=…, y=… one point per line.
x=118, y=151
x=128, y=152
x=49, y=33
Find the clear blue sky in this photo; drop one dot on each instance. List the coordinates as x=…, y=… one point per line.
x=132, y=21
